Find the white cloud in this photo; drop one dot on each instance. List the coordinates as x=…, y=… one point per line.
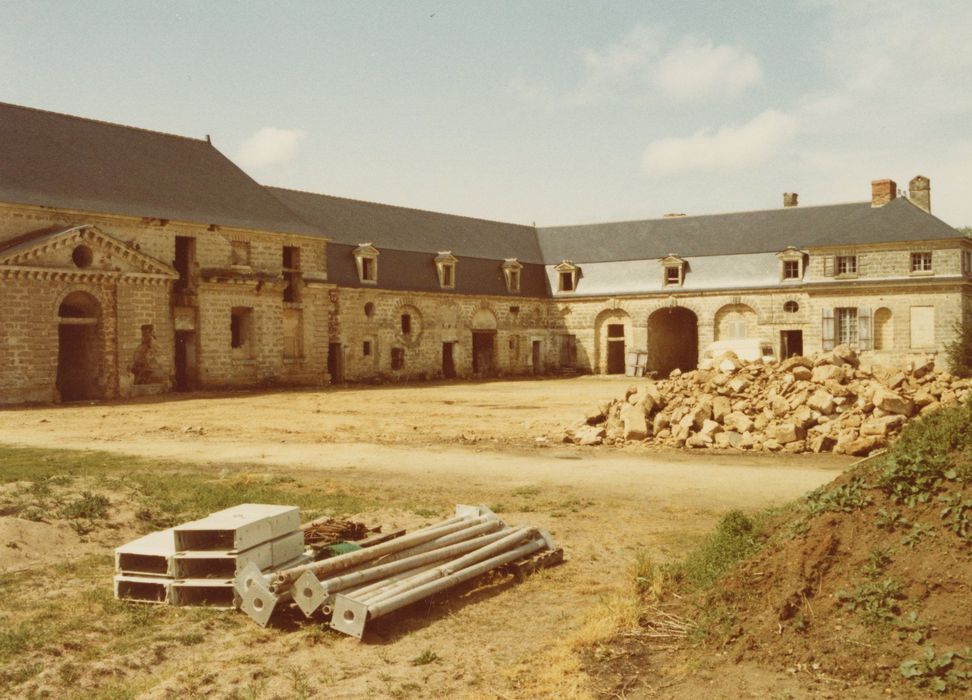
x=622, y=59
x=727, y=148
x=269, y=146
x=697, y=69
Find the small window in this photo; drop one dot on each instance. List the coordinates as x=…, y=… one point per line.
x=511, y=272
x=368, y=269
x=240, y=327
x=369, y=309
x=566, y=281
x=366, y=348
x=448, y=276
x=673, y=275
x=846, y=264
x=398, y=358
x=82, y=256
x=514, y=280
x=921, y=262
x=791, y=307
x=291, y=257
x=791, y=269
x=406, y=324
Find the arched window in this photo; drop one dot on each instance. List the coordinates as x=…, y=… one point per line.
x=791, y=307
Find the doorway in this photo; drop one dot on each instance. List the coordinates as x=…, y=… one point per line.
x=335, y=367
x=673, y=340
x=484, y=352
x=448, y=361
x=537, y=358
x=791, y=343
x=615, y=348
x=185, y=360
x=78, y=351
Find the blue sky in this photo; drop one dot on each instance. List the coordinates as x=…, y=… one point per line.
x=547, y=112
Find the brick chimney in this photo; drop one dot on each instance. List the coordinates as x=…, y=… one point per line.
x=919, y=192
x=789, y=199
x=882, y=192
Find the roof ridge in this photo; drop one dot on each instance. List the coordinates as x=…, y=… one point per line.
x=106, y=123
x=399, y=206
x=700, y=216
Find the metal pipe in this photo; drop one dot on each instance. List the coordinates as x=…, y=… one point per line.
x=284, y=579
x=489, y=526
x=350, y=616
x=511, y=539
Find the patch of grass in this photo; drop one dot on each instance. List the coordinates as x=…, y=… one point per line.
x=840, y=499
x=735, y=538
x=526, y=491
x=876, y=602
x=426, y=657
x=957, y=515
x=88, y=506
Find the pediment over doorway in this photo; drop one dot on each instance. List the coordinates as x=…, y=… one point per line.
x=82, y=251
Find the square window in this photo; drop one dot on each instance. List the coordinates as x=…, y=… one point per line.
x=566, y=281
x=921, y=262
x=673, y=275
x=846, y=264
x=366, y=348
x=791, y=269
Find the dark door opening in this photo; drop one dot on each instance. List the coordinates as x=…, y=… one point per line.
x=185, y=261
x=673, y=340
x=448, y=361
x=77, y=362
x=615, y=348
x=185, y=360
x=334, y=364
x=484, y=352
x=791, y=343
x=537, y=358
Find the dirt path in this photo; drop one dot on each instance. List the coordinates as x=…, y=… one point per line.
x=459, y=443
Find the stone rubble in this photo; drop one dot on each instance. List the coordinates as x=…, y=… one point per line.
x=831, y=402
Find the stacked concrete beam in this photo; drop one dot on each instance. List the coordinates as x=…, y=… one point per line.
x=196, y=563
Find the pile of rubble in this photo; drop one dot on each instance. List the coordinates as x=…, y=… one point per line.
x=831, y=402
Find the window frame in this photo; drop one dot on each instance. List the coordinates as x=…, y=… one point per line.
x=925, y=262
x=846, y=261
x=445, y=267
x=567, y=271
x=672, y=263
x=367, y=271
x=512, y=273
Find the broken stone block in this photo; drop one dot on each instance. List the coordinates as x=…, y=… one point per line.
x=824, y=373
x=822, y=402
x=846, y=354
x=633, y=419
x=802, y=373
x=787, y=432
x=589, y=435
x=821, y=443
x=791, y=363
x=710, y=427
x=738, y=384
x=699, y=440
x=891, y=402
x=738, y=421
x=721, y=407
x=882, y=426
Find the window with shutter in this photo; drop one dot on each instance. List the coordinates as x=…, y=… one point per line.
x=827, y=330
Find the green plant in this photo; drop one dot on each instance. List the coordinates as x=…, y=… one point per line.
x=426, y=657
x=735, y=538
x=957, y=515
x=948, y=671
x=891, y=520
x=877, y=562
x=88, y=506
x=876, y=602
x=917, y=534
x=959, y=351
x=840, y=499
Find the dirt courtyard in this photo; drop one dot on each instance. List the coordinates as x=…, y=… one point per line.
x=439, y=444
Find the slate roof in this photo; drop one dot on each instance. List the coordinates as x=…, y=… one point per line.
x=62, y=161
x=743, y=232
x=389, y=227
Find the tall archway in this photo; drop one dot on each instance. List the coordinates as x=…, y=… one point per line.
x=484, y=343
x=673, y=340
x=612, y=335
x=735, y=321
x=79, y=348
x=883, y=329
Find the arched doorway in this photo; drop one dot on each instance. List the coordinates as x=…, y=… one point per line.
x=484, y=342
x=673, y=340
x=612, y=330
x=78, y=349
x=883, y=329
x=735, y=321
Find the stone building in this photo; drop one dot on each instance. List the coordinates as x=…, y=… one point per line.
x=136, y=262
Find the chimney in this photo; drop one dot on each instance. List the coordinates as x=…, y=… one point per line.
x=882, y=192
x=919, y=192
x=789, y=199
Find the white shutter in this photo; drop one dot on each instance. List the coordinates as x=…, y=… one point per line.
x=864, y=335
x=860, y=264
x=827, y=330
x=829, y=266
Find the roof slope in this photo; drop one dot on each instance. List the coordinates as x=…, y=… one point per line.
x=743, y=232
x=57, y=160
x=390, y=227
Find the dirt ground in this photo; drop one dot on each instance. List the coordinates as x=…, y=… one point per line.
x=492, y=442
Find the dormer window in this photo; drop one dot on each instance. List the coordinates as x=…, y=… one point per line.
x=566, y=276
x=673, y=271
x=445, y=266
x=511, y=272
x=791, y=264
x=366, y=260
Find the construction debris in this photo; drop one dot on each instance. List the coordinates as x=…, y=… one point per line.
x=359, y=586
x=196, y=563
x=325, y=531
x=831, y=402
